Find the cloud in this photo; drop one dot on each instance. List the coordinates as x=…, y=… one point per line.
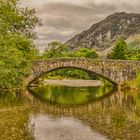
x=62, y=19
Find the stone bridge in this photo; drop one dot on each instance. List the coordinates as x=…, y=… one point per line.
x=115, y=71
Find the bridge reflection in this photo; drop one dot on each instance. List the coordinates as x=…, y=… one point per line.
x=114, y=114
x=111, y=100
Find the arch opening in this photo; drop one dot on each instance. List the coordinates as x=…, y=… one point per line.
x=75, y=68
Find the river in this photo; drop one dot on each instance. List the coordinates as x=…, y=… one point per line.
x=70, y=113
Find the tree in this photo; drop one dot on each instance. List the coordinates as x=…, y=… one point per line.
x=16, y=43
x=119, y=51
x=15, y=20
x=55, y=49
x=84, y=53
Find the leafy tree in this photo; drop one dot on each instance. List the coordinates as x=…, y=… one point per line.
x=55, y=49
x=84, y=53
x=69, y=73
x=16, y=43
x=15, y=20
x=122, y=51
x=119, y=51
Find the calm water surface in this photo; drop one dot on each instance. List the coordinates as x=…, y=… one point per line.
x=69, y=113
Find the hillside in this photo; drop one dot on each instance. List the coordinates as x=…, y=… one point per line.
x=101, y=36
x=134, y=41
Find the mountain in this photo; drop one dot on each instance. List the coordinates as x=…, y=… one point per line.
x=102, y=35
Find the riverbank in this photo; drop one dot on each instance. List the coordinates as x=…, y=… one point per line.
x=14, y=123
x=74, y=83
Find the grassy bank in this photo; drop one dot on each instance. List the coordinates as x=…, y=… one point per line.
x=14, y=124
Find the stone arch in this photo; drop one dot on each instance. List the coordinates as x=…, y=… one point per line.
x=115, y=71
x=79, y=68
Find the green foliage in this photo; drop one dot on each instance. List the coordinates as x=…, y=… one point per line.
x=16, y=43
x=69, y=73
x=84, y=53
x=133, y=54
x=119, y=51
x=123, y=52
x=17, y=20
x=55, y=49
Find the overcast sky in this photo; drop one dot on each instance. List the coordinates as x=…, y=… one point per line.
x=62, y=19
